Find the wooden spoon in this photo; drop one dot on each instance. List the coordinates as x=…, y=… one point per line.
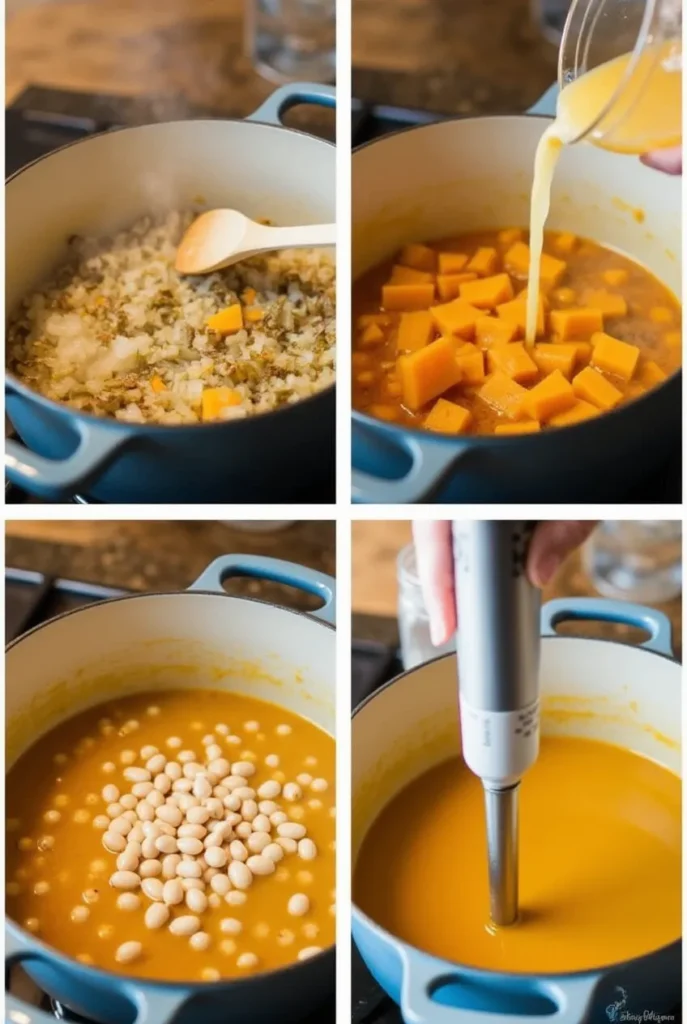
x=219, y=238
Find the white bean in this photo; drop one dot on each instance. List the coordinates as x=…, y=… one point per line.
x=244, y=793
x=156, y=915
x=231, y=802
x=173, y=769
x=235, y=898
x=141, y=789
x=305, y=954
x=307, y=849
x=114, y=810
x=260, y=865
x=257, y=842
x=220, y=884
x=269, y=790
x=267, y=807
x=189, y=845
x=170, y=864
x=304, y=779
x=152, y=887
x=191, y=832
x=237, y=850
x=274, y=851
x=145, y=810
x=172, y=892
x=244, y=829
x=128, y=860
x=291, y=830
x=148, y=847
x=202, y=787
x=150, y=868
x=137, y=835
x=278, y=818
x=292, y=792
x=162, y=783
x=187, y=924
x=166, y=844
x=110, y=793
x=101, y=821
x=156, y=764
x=215, y=807
x=128, y=901
x=261, y=823
x=114, y=842
x=216, y=857
x=80, y=914
x=197, y=901
x=186, y=801
x=298, y=905
x=247, y=961
x=128, y=801
x=125, y=880
x=128, y=951
x=199, y=941
x=156, y=798
x=219, y=766
x=319, y=785
x=190, y=869
x=169, y=814
x=230, y=926
x=193, y=883
x=197, y=815
x=249, y=810
x=135, y=774
x=213, y=751
x=240, y=876
x=243, y=768
x=192, y=768
x=121, y=825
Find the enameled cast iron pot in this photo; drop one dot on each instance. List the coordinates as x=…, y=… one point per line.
x=201, y=637
x=601, y=689
x=105, y=183
x=463, y=175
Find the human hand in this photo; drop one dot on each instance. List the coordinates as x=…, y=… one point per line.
x=667, y=160
x=551, y=543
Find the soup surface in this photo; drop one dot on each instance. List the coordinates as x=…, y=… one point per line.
x=229, y=870
x=439, y=334
x=600, y=863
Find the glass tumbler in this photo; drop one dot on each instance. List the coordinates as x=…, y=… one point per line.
x=413, y=621
x=636, y=561
x=292, y=40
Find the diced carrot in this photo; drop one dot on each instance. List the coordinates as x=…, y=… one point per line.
x=575, y=323
x=214, y=400
x=550, y=357
x=504, y=395
x=661, y=315
x=521, y=427
x=578, y=412
x=254, y=316
x=457, y=318
x=372, y=335
x=615, y=277
x=407, y=297
x=419, y=257
x=514, y=360
x=592, y=386
x=470, y=361
x=515, y=312
x=249, y=295
x=510, y=235
x=550, y=397
x=484, y=262
x=488, y=292
x=491, y=331
x=610, y=303
x=448, y=418
x=383, y=319
x=406, y=275
x=157, y=384
x=565, y=241
x=227, y=321
x=613, y=356
x=361, y=360
x=448, y=285
x=517, y=260
x=429, y=372
x=415, y=331
x=650, y=373
x=566, y=296
x=383, y=412
x=452, y=262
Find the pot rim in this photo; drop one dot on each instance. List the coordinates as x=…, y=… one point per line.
x=157, y=429
x=485, y=972
x=70, y=962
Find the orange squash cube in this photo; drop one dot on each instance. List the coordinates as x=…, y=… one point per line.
x=591, y=386
x=615, y=277
x=448, y=418
x=514, y=360
x=549, y=397
x=578, y=412
x=650, y=374
x=457, y=318
x=448, y=285
x=575, y=323
x=566, y=296
x=227, y=321
x=429, y=372
x=487, y=292
x=517, y=260
x=610, y=303
x=565, y=241
x=452, y=262
x=406, y=297
x=415, y=330
x=382, y=319
x=522, y=427
x=470, y=362
x=419, y=257
x=491, y=331
x=613, y=356
x=550, y=357
x=484, y=262
x=406, y=275
x=508, y=236
x=372, y=335
x=214, y=400
x=515, y=313
x=583, y=350
x=550, y=271
x=157, y=384
x=504, y=395
x=380, y=411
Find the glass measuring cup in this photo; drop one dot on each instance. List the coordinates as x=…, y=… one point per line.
x=636, y=45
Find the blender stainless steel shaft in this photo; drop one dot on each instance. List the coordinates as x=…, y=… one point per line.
x=498, y=668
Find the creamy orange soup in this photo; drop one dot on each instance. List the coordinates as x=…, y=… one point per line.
x=176, y=835
x=600, y=863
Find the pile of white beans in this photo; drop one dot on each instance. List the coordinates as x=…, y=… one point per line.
x=192, y=831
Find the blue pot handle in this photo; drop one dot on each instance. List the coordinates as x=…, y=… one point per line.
x=281, y=101
x=274, y=569
x=546, y=104
x=603, y=610
x=158, y=1006
x=52, y=478
x=423, y=974
x=430, y=464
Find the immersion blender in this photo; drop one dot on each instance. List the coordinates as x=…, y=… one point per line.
x=498, y=667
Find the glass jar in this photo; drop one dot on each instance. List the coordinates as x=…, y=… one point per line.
x=636, y=560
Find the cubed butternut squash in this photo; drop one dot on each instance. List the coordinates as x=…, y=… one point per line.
x=491, y=331
x=610, y=303
x=584, y=352
x=457, y=318
x=470, y=362
x=407, y=275
x=504, y=395
x=521, y=427
x=248, y=296
x=380, y=411
x=214, y=400
x=550, y=397
x=393, y=389
x=615, y=277
x=484, y=262
x=514, y=360
x=517, y=259
x=407, y=297
x=157, y=384
x=550, y=357
x=253, y=316
x=508, y=236
x=650, y=373
x=661, y=315
x=227, y=321
x=565, y=242
x=419, y=257
x=383, y=319
x=487, y=292
x=567, y=324
x=613, y=356
x=550, y=271
x=372, y=335
x=592, y=386
x=448, y=418
x=515, y=312
x=429, y=372
x=415, y=330
x=448, y=285
x=566, y=296
x=575, y=414
x=452, y=262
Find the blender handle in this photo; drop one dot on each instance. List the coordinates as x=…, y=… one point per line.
x=592, y=609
